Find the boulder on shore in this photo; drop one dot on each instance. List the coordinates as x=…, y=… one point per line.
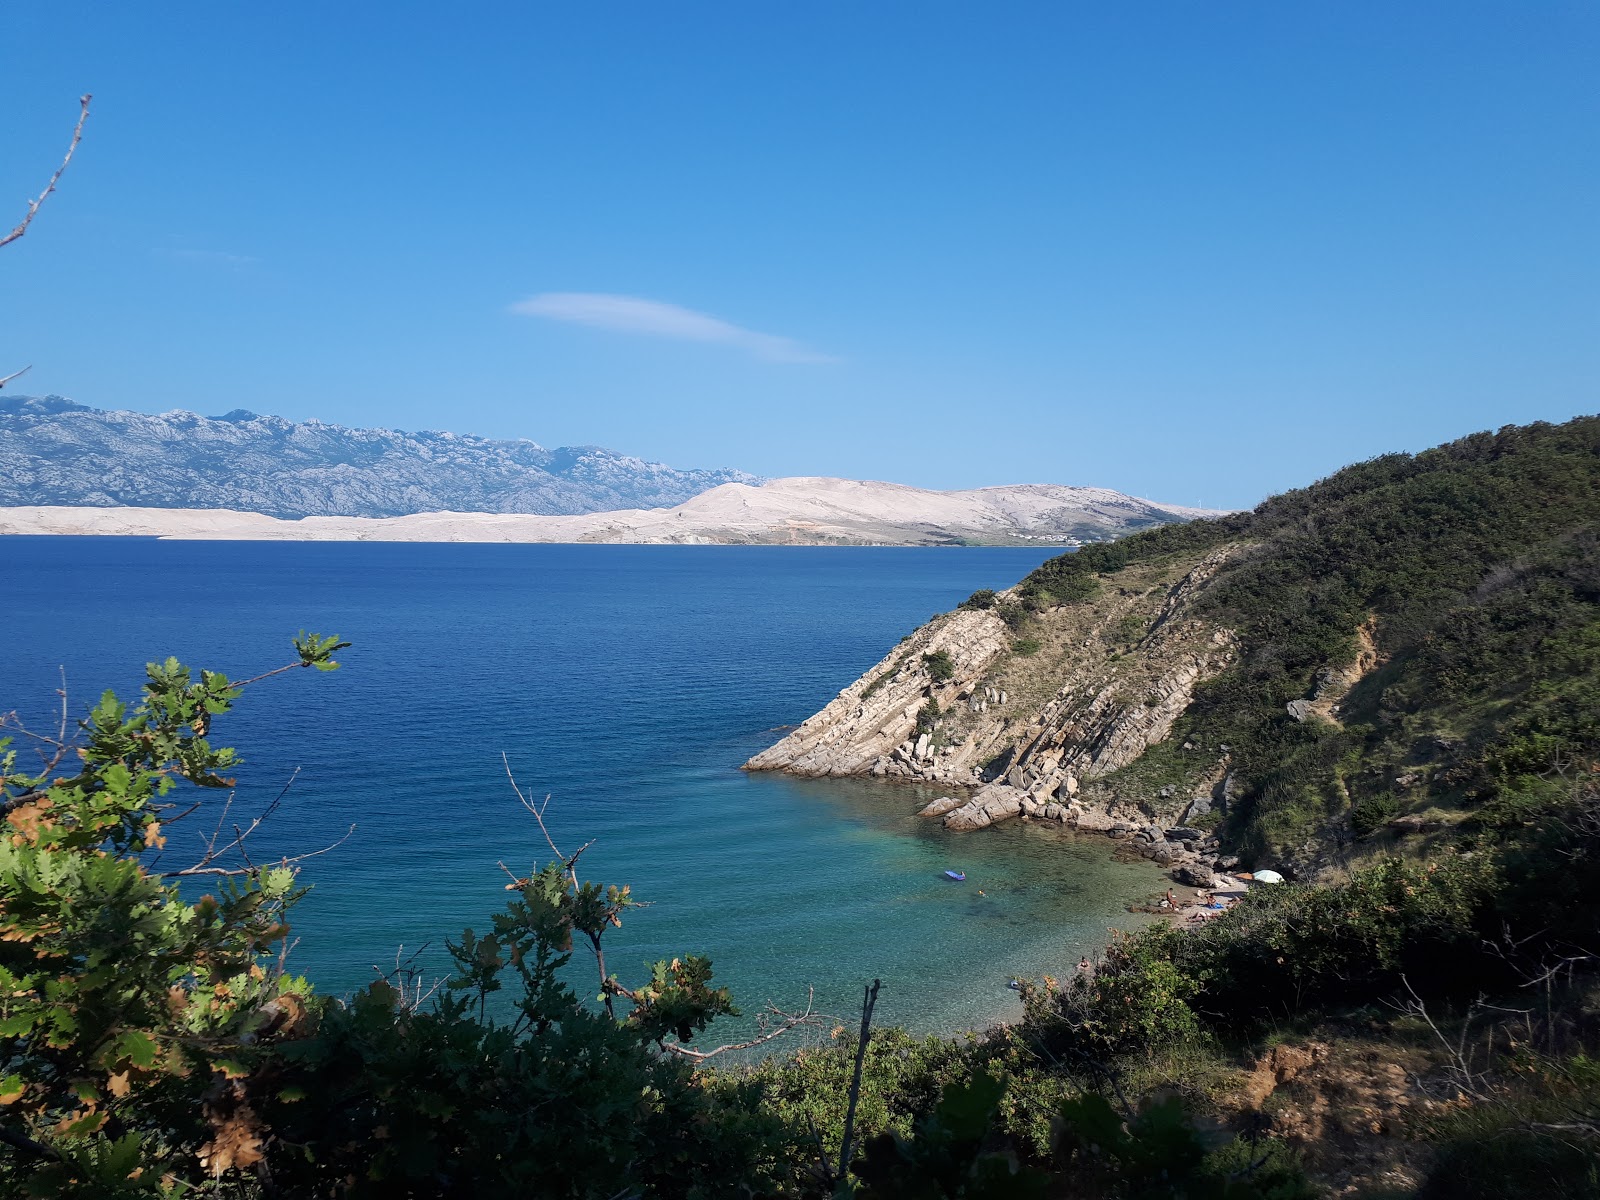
x=938, y=808
x=1093, y=821
x=1195, y=875
x=993, y=803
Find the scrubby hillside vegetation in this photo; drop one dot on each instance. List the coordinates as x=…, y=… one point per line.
x=1419, y=640
x=1407, y=721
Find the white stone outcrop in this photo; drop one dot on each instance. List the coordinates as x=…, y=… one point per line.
x=870, y=719
x=993, y=803
x=1025, y=757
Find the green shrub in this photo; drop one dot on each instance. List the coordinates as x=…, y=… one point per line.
x=933, y=1111
x=877, y=683
x=941, y=668
x=1014, y=613
x=902, y=1076
x=1373, y=813
x=1134, y=999
x=1286, y=949
x=1130, y=628
x=1531, y=1138
x=1026, y=647
x=150, y=1043
x=1475, y=566
x=1291, y=948
x=981, y=599
x=1072, y=589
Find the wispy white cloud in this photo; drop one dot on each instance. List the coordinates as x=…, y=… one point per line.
x=634, y=314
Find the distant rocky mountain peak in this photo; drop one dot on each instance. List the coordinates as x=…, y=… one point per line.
x=55, y=451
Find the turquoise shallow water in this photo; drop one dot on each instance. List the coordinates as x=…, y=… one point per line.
x=629, y=683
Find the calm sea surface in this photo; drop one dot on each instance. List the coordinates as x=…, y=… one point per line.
x=629, y=683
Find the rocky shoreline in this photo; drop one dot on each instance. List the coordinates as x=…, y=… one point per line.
x=1031, y=735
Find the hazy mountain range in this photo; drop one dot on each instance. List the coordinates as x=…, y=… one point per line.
x=57, y=452
x=66, y=468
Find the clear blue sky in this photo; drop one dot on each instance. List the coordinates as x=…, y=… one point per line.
x=1199, y=252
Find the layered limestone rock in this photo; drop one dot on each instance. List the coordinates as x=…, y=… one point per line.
x=1025, y=721
x=871, y=726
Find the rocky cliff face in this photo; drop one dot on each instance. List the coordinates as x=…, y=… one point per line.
x=1025, y=722
x=56, y=452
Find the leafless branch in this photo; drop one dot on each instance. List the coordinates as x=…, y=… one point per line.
x=1547, y=970
x=58, y=747
x=250, y=867
x=408, y=979
x=607, y=985
x=21, y=1141
x=538, y=815
x=211, y=843
x=294, y=666
x=285, y=948
x=212, y=853
x=822, y=1170
x=769, y=1032
x=1460, y=1070
x=195, y=807
x=208, y=863
x=61, y=732
x=33, y=205
x=868, y=1002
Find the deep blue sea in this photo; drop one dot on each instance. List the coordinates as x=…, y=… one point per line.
x=628, y=683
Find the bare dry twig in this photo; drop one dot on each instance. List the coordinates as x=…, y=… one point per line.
x=1461, y=1071
x=607, y=985
x=538, y=815
x=72, y=147
x=408, y=979
x=868, y=1002
x=207, y=864
x=769, y=1032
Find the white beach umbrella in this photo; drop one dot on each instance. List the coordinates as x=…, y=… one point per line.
x=1267, y=877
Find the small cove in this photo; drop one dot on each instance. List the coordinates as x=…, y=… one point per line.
x=626, y=682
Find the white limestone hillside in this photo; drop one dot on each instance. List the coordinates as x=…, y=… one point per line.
x=798, y=511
